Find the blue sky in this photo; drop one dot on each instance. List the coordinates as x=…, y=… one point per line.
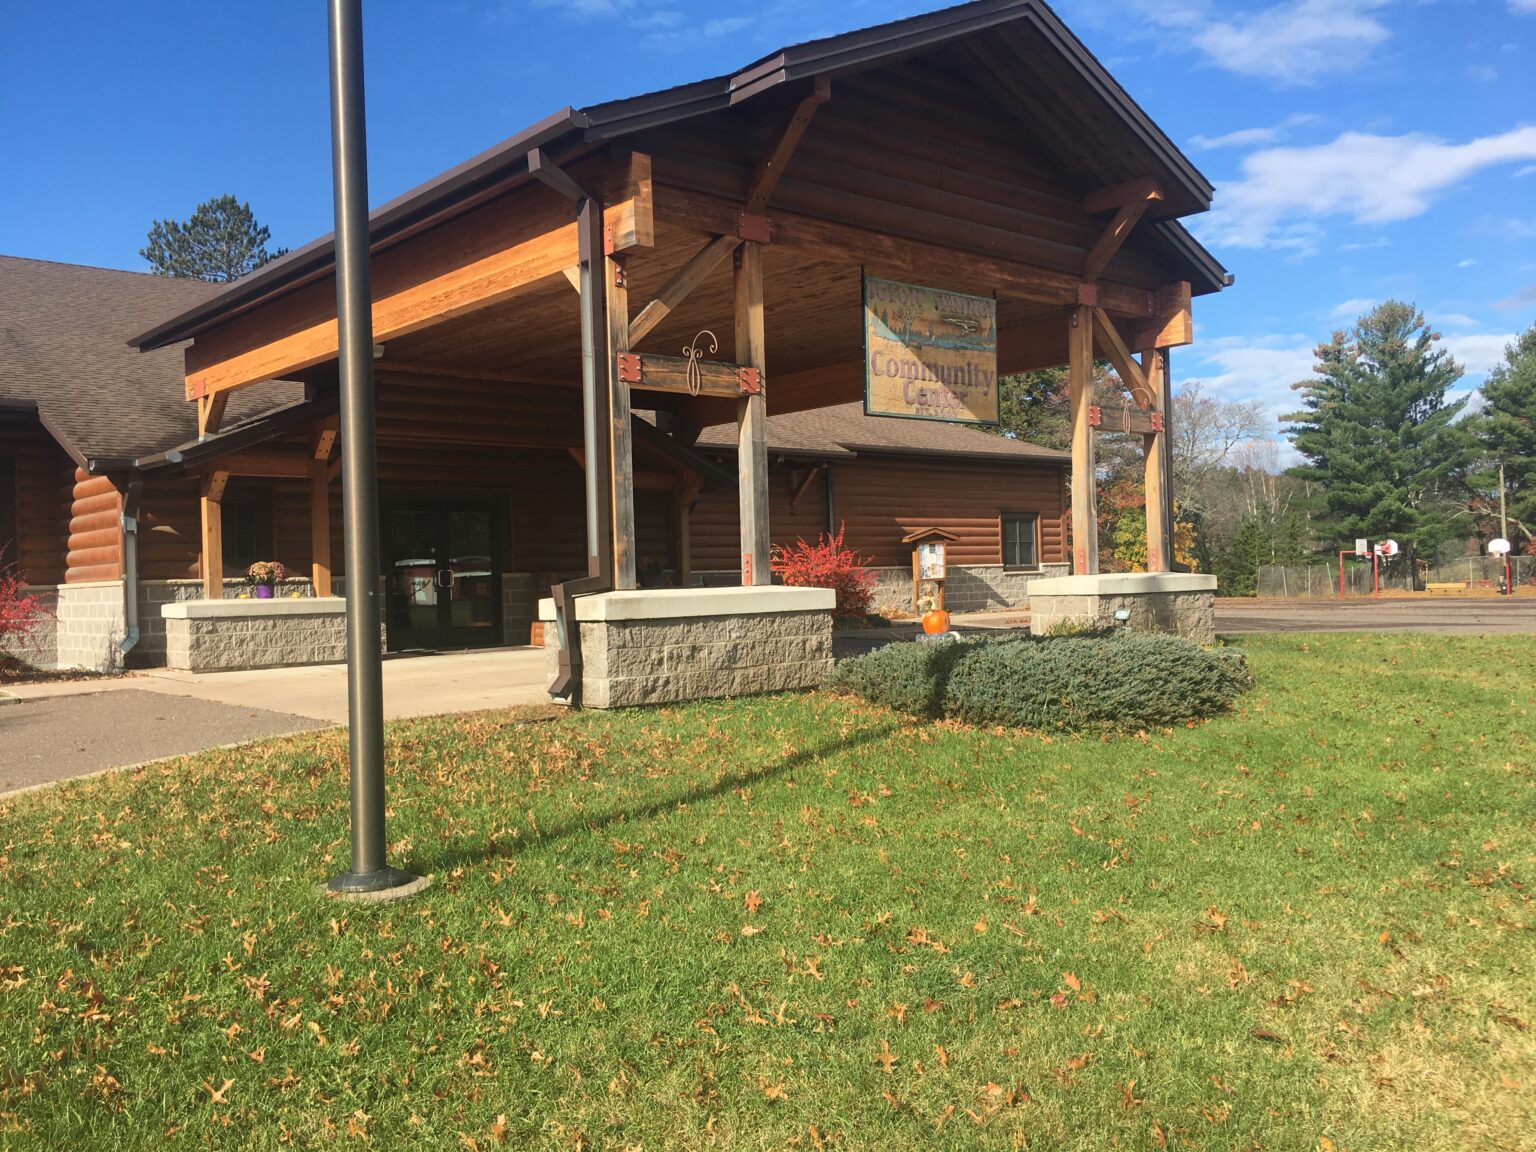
x=1361, y=149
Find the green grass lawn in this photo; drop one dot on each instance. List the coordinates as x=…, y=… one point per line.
x=799, y=921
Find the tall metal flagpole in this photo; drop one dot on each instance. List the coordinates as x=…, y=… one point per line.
x=359, y=465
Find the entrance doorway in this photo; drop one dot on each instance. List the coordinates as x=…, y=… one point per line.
x=442, y=568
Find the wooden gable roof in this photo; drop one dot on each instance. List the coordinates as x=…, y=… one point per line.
x=1041, y=87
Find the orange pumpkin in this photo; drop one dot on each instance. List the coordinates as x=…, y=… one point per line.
x=935, y=621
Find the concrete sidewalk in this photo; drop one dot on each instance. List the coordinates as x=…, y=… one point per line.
x=415, y=685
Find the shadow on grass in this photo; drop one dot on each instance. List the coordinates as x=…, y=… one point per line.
x=599, y=822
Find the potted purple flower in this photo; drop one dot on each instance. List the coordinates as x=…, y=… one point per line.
x=265, y=574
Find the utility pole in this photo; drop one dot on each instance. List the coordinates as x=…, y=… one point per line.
x=1503, y=513
x=370, y=877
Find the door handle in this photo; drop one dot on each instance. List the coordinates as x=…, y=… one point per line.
x=445, y=577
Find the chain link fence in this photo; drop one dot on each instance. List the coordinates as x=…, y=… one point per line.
x=1292, y=581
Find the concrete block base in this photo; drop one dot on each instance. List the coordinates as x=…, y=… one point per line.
x=1182, y=603
x=224, y=635
x=668, y=645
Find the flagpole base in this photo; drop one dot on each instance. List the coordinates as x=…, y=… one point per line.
x=385, y=884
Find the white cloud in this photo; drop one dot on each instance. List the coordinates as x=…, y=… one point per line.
x=1521, y=297
x=1362, y=245
x=1353, y=309
x=1454, y=320
x=1259, y=368
x=1467, y=263
x=1294, y=43
x=1528, y=170
x=1284, y=193
x=1245, y=137
x=1522, y=7
x=1478, y=351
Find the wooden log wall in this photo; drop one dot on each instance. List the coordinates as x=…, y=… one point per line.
x=95, y=530
x=169, y=532
x=44, y=481
x=883, y=500
x=714, y=525
x=880, y=501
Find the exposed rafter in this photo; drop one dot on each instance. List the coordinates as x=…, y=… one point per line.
x=771, y=167
x=687, y=278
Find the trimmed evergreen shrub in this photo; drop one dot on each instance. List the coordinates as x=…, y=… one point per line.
x=1126, y=681
x=908, y=676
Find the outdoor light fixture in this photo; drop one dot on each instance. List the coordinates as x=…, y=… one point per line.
x=1122, y=615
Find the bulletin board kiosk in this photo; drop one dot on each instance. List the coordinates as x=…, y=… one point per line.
x=930, y=561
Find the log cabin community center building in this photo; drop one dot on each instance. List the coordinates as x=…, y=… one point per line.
x=620, y=357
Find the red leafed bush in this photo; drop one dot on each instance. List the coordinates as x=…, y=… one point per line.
x=827, y=564
x=19, y=613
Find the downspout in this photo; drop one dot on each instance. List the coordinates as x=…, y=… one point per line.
x=130, y=523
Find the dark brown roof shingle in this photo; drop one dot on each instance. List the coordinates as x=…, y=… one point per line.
x=844, y=430
x=64, y=332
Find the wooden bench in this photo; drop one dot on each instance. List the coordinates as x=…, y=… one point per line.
x=1452, y=587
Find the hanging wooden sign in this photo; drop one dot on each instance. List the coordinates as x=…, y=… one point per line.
x=929, y=354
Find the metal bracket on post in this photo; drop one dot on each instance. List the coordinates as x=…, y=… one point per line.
x=751, y=381
x=752, y=226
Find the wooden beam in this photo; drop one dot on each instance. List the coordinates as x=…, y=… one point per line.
x=1173, y=321
x=504, y=250
x=1085, y=515
x=1107, y=339
x=771, y=167
x=210, y=413
x=621, y=444
x=752, y=419
x=320, y=526
x=325, y=440
x=573, y=274
x=1118, y=413
x=687, y=278
x=1146, y=191
x=1108, y=243
x=210, y=506
x=632, y=221
x=1154, y=365
x=898, y=257
x=272, y=462
x=804, y=486
x=681, y=375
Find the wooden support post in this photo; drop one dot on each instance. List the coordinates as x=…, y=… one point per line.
x=1085, y=517
x=752, y=418
x=682, y=531
x=320, y=527
x=212, y=509
x=621, y=446
x=1154, y=366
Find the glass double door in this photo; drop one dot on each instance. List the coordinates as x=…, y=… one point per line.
x=442, y=574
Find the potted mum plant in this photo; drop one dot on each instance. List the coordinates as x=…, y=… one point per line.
x=264, y=575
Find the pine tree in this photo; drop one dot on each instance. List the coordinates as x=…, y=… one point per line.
x=1237, y=569
x=1506, y=434
x=1033, y=406
x=1378, y=435
x=220, y=242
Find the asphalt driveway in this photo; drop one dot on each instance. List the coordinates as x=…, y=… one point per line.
x=57, y=737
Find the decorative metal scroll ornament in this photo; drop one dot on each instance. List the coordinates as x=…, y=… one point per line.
x=693, y=354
